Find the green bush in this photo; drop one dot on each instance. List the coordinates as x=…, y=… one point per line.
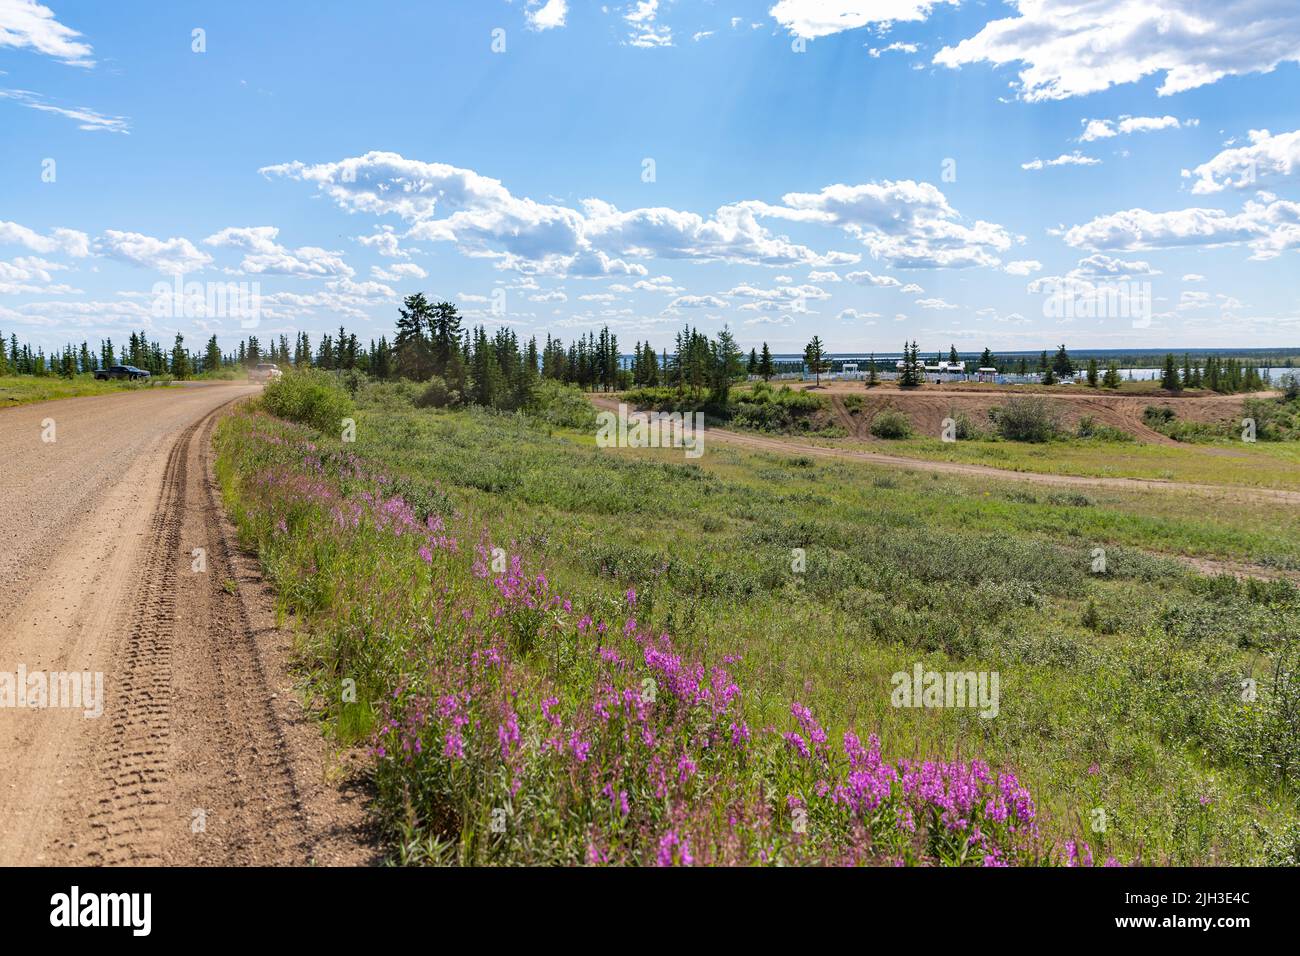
x=1089, y=427
x=1157, y=415
x=436, y=394
x=311, y=397
x=762, y=408
x=965, y=429
x=891, y=424
x=1026, y=419
x=564, y=406
x=1290, y=385
x=390, y=396
x=1275, y=419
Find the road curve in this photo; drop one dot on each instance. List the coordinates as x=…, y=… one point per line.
x=202, y=754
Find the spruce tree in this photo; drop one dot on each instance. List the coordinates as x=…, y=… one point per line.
x=1169, y=381
x=814, y=357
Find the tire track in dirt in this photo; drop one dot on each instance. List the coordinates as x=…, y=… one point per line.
x=842, y=414
x=127, y=819
x=256, y=815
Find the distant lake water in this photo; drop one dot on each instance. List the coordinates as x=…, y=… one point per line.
x=1148, y=374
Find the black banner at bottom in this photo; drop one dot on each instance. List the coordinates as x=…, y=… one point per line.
x=336, y=906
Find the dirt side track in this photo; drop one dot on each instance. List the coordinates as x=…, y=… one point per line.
x=783, y=445
x=202, y=755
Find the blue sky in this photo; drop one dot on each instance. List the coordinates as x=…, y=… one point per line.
x=982, y=174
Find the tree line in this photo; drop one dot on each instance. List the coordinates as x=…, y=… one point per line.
x=498, y=370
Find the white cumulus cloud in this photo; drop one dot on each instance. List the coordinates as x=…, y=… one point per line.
x=1075, y=47
x=27, y=24
x=546, y=15
x=1065, y=159
x=1095, y=129
x=265, y=256
x=1267, y=157
x=1269, y=227
x=819, y=18
x=174, y=255
x=443, y=203
x=70, y=242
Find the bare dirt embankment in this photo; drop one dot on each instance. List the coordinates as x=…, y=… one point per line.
x=203, y=755
x=929, y=405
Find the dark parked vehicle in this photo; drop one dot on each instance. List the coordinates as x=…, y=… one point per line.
x=120, y=371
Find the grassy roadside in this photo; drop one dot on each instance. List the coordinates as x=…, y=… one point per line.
x=1119, y=691
x=25, y=389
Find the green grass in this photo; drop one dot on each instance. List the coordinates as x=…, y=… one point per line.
x=1260, y=465
x=1119, y=691
x=25, y=389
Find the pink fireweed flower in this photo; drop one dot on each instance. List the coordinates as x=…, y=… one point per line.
x=548, y=711
x=454, y=746
x=1075, y=857
x=809, y=725
x=581, y=749
x=617, y=799
x=685, y=768
x=631, y=597
x=797, y=743
x=508, y=734
x=674, y=850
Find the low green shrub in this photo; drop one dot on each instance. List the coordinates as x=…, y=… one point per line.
x=311, y=397
x=564, y=406
x=1026, y=419
x=436, y=394
x=891, y=424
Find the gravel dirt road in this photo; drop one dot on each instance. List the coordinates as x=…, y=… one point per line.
x=203, y=753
